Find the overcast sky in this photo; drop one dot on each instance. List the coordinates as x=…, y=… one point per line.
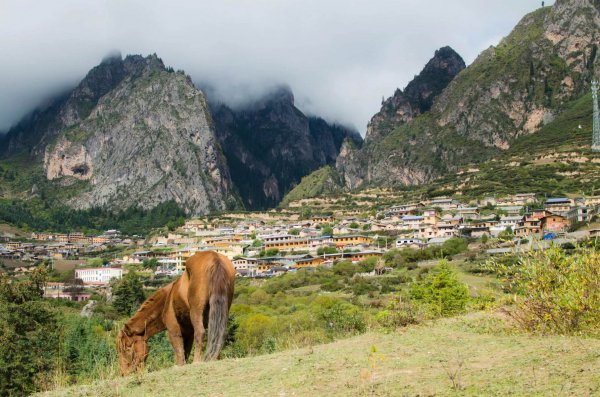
x=339, y=56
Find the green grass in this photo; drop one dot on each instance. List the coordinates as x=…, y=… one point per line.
x=472, y=355
x=561, y=134
x=325, y=180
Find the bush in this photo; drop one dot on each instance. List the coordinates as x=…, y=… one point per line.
x=255, y=334
x=399, y=313
x=339, y=317
x=441, y=290
x=556, y=292
x=87, y=348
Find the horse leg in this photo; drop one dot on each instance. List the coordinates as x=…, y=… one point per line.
x=197, y=317
x=177, y=342
x=175, y=337
x=188, y=342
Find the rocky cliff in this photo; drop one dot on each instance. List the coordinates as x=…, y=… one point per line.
x=138, y=133
x=270, y=145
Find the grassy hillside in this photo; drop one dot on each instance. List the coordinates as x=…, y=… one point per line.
x=325, y=180
x=557, y=160
x=477, y=354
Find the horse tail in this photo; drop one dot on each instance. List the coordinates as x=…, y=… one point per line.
x=220, y=293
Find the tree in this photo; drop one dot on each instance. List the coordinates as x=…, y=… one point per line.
x=128, y=294
x=151, y=263
x=74, y=286
x=327, y=231
x=326, y=250
x=29, y=339
x=506, y=234
x=442, y=291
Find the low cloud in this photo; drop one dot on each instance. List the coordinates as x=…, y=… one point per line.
x=339, y=57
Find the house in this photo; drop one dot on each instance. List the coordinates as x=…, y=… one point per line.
x=468, y=212
x=509, y=221
x=594, y=233
x=413, y=243
x=530, y=223
x=437, y=241
x=289, y=244
x=444, y=229
x=591, y=201
x=579, y=213
x=444, y=203
x=425, y=231
x=322, y=219
x=98, y=275
x=453, y=220
x=558, y=205
x=511, y=210
x=412, y=222
x=431, y=217
x=308, y=262
x=554, y=223
x=403, y=210
x=352, y=240
x=277, y=270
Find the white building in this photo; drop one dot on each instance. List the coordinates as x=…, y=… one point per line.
x=98, y=275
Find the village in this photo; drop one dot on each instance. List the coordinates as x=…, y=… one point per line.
x=278, y=242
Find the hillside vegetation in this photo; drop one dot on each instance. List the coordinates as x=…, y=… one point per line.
x=470, y=355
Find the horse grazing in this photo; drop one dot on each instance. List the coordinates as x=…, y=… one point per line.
x=197, y=300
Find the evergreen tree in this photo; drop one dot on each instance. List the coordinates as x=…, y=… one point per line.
x=28, y=335
x=442, y=291
x=128, y=294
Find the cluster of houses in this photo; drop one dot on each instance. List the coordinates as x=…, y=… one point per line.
x=439, y=219
x=43, y=246
x=260, y=248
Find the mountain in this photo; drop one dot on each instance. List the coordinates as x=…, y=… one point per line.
x=418, y=96
x=135, y=133
x=132, y=133
x=270, y=145
x=509, y=92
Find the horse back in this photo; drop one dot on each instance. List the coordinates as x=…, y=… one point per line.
x=202, y=271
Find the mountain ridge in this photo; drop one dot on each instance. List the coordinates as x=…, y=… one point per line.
x=512, y=90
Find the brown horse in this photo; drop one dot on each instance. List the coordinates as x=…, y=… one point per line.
x=198, y=300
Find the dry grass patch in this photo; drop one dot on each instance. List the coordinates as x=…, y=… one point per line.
x=477, y=354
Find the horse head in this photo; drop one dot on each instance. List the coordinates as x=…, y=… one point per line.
x=133, y=350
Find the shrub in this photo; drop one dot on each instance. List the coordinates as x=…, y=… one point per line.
x=338, y=317
x=399, y=313
x=556, y=292
x=361, y=286
x=254, y=331
x=441, y=290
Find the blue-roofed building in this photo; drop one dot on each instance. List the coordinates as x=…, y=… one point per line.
x=558, y=205
x=411, y=221
x=412, y=218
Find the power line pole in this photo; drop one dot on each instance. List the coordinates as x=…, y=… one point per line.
x=596, y=125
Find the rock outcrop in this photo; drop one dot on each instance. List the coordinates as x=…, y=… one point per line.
x=139, y=134
x=418, y=96
x=270, y=145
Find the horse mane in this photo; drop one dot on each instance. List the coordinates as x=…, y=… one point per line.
x=149, y=311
